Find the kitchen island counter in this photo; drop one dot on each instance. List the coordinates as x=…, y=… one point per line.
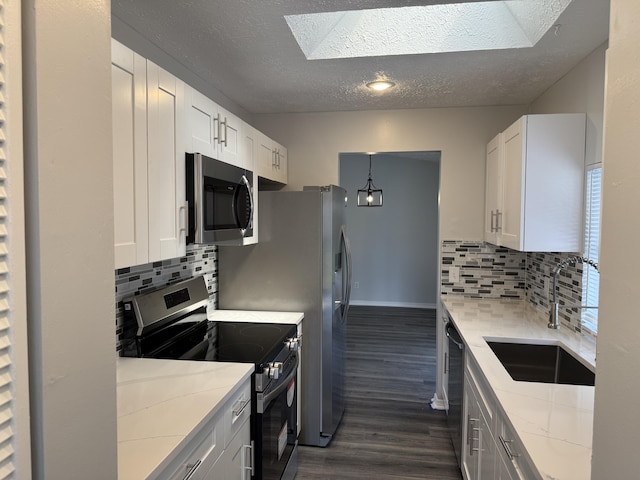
x=554, y=422
x=163, y=403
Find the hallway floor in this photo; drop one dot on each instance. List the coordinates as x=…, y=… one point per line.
x=389, y=430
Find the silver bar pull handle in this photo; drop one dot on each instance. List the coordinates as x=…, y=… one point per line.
x=239, y=407
x=226, y=132
x=507, y=447
x=192, y=469
x=446, y=362
x=217, y=135
x=247, y=468
x=498, y=221
x=470, y=437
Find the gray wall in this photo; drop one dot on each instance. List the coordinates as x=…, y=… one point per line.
x=315, y=141
x=395, y=247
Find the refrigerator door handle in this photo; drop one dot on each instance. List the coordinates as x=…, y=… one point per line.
x=347, y=251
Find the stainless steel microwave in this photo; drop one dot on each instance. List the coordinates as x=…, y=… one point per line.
x=220, y=199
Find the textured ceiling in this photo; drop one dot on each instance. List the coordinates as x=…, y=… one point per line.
x=245, y=49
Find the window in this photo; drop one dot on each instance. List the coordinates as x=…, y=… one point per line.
x=591, y=278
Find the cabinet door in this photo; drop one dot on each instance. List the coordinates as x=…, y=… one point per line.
x=166, y=164
x=129, y=105
x=235, y=463
x=249, y=147
x=471, y=434
x=487, y=453
x=228, y=134
x=513, y=183
x=265, y=157
x=201, y=116
x=280, y=166
x=493, y=191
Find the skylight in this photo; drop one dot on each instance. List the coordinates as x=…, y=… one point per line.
x=454, y=27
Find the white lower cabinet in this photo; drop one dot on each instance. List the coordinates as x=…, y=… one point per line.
x=235, y=463
x=491, y=449
x=222, y=448
x=479, y=448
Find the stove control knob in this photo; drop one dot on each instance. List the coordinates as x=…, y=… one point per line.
x=274, y=369
x=293, y=344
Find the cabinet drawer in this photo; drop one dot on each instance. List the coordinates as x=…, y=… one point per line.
x=237, y=412
x=197, y=457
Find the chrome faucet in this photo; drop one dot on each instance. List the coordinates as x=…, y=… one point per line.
x=555, y=306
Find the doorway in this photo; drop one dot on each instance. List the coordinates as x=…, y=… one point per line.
x=395, y=247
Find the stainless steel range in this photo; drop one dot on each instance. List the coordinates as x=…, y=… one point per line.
x=171, y=323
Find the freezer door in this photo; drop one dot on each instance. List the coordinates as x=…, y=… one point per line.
x=337, y=284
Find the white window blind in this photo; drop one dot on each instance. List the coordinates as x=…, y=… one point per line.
x=591, y=278
x=15, y=447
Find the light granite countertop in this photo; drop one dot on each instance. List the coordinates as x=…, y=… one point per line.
x=256, y=316
x=554, y=422
x=163, y=403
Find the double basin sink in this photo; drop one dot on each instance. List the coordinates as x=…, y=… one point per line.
x=546, y=363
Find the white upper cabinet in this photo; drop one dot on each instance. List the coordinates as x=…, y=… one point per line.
x=166, y=164
x=148, y=160
x=129, y=105
x=213, y=131
x=493, y=189
x=271, y=160
x=541, y=175
x=229, y=138
x=201, y=123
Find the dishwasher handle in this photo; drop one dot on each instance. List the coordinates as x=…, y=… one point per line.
x=453, y=335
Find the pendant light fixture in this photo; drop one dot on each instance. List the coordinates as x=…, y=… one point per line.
x=370, y=195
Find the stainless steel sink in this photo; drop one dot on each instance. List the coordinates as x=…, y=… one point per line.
x=545, y=363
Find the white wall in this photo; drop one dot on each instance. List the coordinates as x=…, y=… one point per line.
x=395, y=247
x=580, y=91
x=315, y=140
x=617, y=416
x=69, y=236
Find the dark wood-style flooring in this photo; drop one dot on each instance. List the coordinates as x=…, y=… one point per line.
x=389, y=430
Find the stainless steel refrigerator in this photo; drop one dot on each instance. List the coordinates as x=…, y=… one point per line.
x=302, y=263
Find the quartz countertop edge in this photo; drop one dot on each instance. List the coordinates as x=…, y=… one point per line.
x=162, y=405
x=554, y=422
x=256, y=316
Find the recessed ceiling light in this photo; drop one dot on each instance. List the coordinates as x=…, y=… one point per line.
x=380, y=85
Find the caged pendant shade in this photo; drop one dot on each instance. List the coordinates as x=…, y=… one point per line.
x=370, y=195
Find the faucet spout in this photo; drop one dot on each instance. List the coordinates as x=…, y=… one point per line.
x=555, y=306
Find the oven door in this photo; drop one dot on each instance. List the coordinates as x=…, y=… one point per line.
x=275, y=429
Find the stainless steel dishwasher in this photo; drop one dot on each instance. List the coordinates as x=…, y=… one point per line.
x=456, y=384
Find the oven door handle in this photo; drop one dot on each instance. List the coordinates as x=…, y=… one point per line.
x=271, y=395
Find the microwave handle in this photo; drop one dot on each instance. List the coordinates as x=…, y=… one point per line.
x=248, y=185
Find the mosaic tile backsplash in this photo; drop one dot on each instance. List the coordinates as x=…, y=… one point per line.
x=199, y=260
x=540, y=267
x=484, y=270
x=488, y=271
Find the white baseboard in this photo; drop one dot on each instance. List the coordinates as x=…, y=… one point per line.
x=369, y=303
